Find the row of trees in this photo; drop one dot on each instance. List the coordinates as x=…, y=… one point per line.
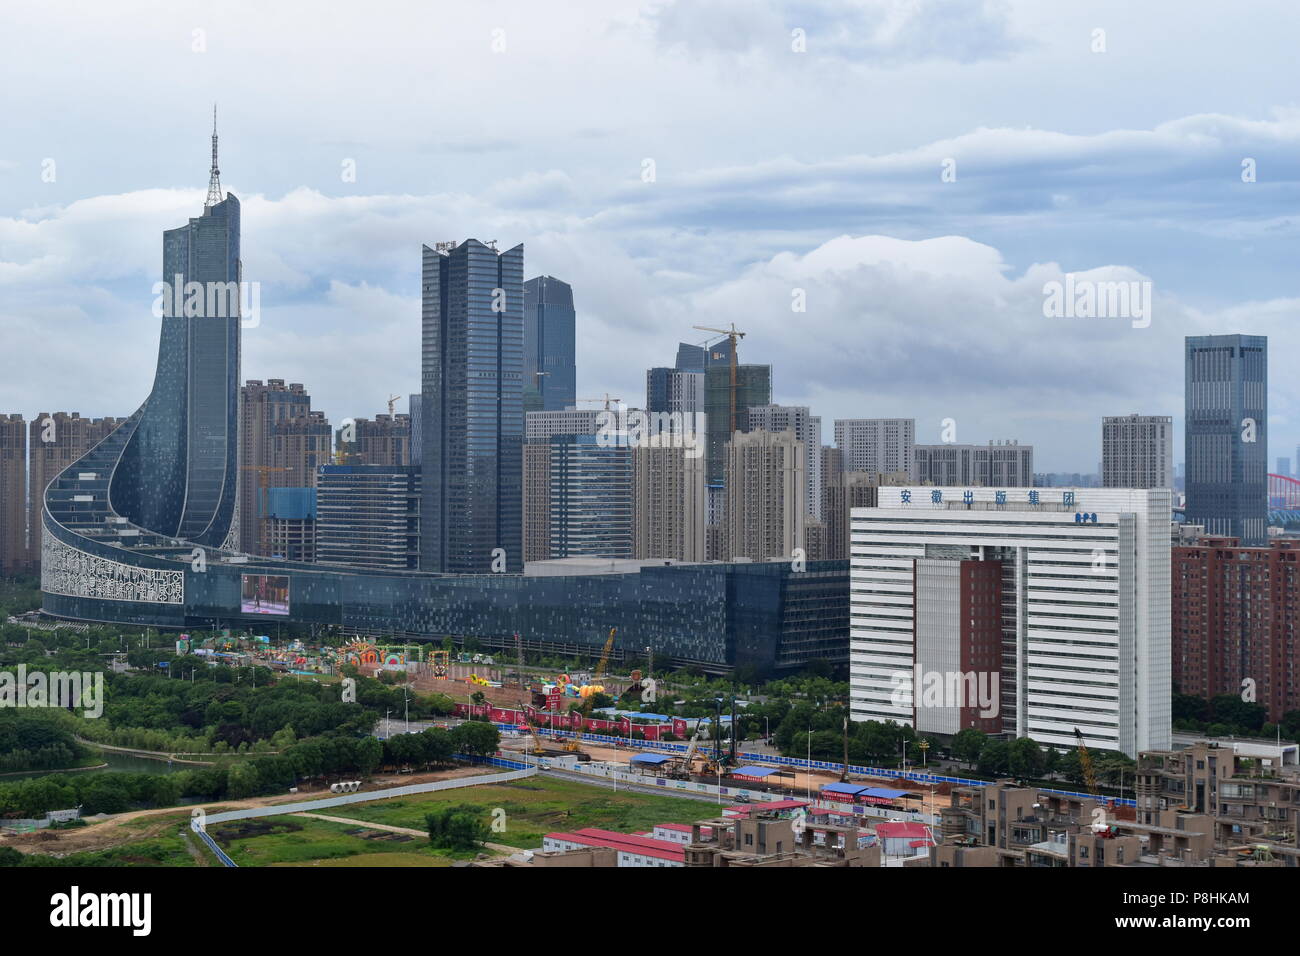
x=336, y=756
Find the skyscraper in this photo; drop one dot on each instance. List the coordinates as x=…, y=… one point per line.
x=550, y=342
x=1137, y=451
x=13, y=494
x=472, y=407
x=179, y=472
x=1227, y=435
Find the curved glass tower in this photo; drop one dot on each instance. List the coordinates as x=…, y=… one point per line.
x=179, y=470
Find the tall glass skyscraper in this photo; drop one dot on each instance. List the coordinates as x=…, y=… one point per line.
x=472, y=412
x=549, y=344
x=1227, y=434
x=179, y=472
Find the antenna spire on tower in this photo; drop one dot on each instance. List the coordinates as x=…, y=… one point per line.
x=214, y=180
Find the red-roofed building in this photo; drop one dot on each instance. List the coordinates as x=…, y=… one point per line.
x=903, y=839
x=632, y=850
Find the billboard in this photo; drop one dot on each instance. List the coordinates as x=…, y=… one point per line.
x=264, y=594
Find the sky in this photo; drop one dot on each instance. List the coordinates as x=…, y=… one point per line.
x=877, y=192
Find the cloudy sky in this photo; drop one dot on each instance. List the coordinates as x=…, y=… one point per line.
x=920, y=169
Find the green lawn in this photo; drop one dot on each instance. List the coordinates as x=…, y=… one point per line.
x=299, y=841
x=537, y=806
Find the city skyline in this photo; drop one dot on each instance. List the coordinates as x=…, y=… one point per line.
x=589, y=218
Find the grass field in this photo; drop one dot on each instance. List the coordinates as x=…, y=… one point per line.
x=296, y=841
x=536, y=806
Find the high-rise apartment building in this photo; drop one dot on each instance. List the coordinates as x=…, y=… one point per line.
x=472, y=407
x=1284, y=467
x=1227, y=435
x=995, y=465
x=550, y=368
x=368, y=516
x=282, y=443
x=1235, y=614
x=1082, y=599
x=668, y=500
x=766, y=484
x=876, y=444
x=591, y=498
x=55, y=442
x=14, y=556
x=807, y=428
x=673, y=390
x=1137, y=451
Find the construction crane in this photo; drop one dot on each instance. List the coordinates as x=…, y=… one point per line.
x=604, y=656
x=1085, y=762
x=607, y=399
x=734, y=335
x=535, y=747
x=690, y=750
x=392, y=403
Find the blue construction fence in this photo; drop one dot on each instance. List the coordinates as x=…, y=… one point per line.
x=802, y=763
x=212, y=845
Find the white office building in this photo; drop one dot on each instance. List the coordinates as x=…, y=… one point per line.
x=1085, y=587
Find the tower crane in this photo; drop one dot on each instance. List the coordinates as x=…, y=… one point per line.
x=734, y=335
x=607, y=399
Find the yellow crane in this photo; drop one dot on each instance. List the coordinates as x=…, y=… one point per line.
x=604, y=656
x=392, y=403
x=1085, y=763
x=734, y=335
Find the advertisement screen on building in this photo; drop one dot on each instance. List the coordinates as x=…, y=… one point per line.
x=264, y=594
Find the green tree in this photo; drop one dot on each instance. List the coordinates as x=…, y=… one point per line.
x=967, y=745
x=460, y=828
